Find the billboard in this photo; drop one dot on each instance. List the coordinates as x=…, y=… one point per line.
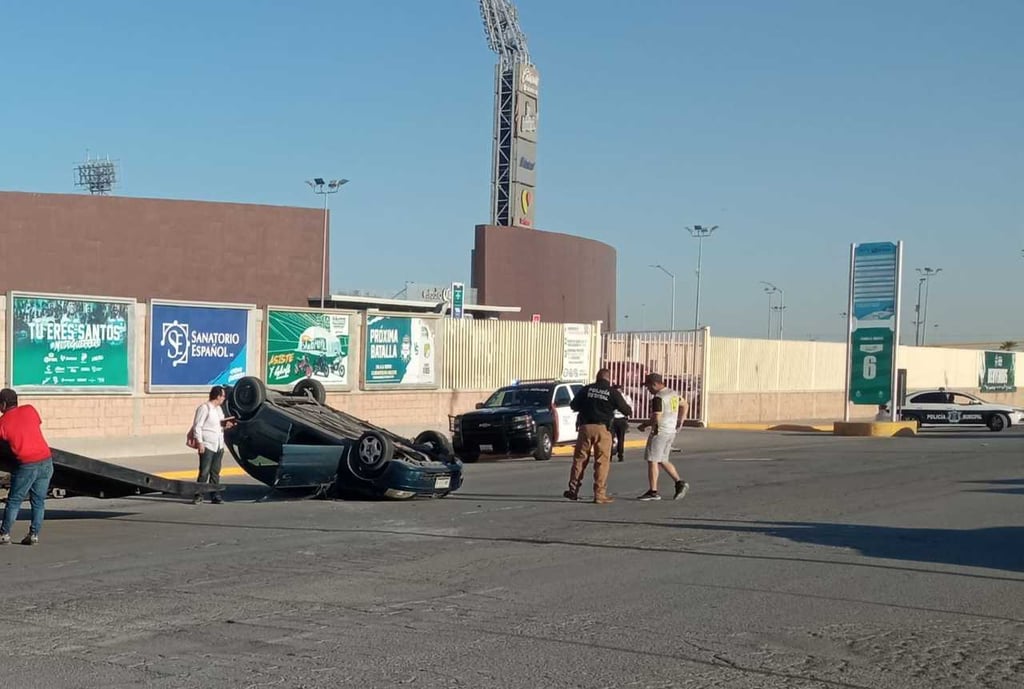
x=68, y=344
x=525, y=168
x=997, y=373
x=400, y=352
x=522, y=205
x=575, y=352
x=527, y=118
x=873, y=322
x=195, y=346
x=306, y=343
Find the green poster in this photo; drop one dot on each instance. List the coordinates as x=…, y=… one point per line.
x=998, y=372
x=70, y=344
x=307, y=344
x=871, y=366
x=399, y=352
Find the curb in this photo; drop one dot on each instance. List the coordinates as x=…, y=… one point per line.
x=875, y=429
x=568, y=450
x=805, y=428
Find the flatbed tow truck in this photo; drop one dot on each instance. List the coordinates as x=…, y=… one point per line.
x=76, y=475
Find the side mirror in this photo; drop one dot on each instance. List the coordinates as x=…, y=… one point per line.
x=479, y=405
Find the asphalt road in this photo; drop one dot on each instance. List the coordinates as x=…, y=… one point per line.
x=795, y=561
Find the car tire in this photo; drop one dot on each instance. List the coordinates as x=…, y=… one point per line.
x=469, y=455
x=998, y=422
x=911, y=418
x=247, y=396
x=370, y=455
x=437, y=443
x=312, y=388
x=545, y=444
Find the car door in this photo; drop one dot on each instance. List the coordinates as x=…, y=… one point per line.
x=928, y=407
x=967, y=410
x=566, y=416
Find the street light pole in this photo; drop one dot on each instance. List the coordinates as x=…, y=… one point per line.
x=699, y=232
x=781, y=308
x=671, y=275
x=325, y=188
x=926, y=274
x=917, y=310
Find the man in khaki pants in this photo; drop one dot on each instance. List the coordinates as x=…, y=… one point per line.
x=595, y=405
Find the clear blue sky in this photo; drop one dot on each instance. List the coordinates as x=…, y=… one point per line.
x=798, y=126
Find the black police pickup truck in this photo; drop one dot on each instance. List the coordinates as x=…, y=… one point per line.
x=528, y=417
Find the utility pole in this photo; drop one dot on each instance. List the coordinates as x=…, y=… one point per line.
x=672, y=320
x=917, y=312
x=699, y=232
x=926, y=276
x=325, y=188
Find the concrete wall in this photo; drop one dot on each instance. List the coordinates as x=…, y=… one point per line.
x=475, y=358
x=565, y=279
x=145, y=248
x=772, y=380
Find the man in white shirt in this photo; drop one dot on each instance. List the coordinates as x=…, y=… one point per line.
x=208, y=430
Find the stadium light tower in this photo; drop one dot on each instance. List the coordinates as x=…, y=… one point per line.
x=516, y=91
x=320, y=186
x=97, y=176
x=926, y=279
x=699, y=232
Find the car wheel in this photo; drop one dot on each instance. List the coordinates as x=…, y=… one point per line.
x=469, y=455
x=312, y=388
x=247, y=395
x=998, y=422
x=370, y=454
x=436, y=443
x=545, y=444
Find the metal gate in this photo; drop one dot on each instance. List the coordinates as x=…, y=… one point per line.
x=681, y=357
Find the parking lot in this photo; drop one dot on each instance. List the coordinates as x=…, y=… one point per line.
x=797, y=560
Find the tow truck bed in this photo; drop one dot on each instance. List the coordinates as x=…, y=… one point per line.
x=76, y=475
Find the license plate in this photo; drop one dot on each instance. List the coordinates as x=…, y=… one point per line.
x=443, y=482
x=487, y=448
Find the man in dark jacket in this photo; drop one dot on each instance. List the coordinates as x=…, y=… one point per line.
x=595, y=405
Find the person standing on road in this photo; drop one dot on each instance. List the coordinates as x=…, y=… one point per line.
x=208, y=430
x=668, y=409
x=620, y=424
x=595, y=406
x=21, y=429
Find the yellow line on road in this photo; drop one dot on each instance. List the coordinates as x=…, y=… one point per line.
x=190, y=474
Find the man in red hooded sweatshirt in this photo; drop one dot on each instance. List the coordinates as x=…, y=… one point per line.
x=21, y=429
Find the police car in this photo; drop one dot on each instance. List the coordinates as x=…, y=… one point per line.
x=942, y=407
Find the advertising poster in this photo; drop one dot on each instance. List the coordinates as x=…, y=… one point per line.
x=307, y=344
x=195, y=346
x=400, y=351
x=576, y=352
x=70, y=344
x=874, y=297
x=997, y=374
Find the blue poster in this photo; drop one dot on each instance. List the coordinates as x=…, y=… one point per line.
x=874, y=281
x=399, y=351
x=197, y=346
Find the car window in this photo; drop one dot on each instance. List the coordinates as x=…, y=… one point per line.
x=963, y=399
x=929, y=398
x=519, y=397
x=576, y=389
x=562, y=396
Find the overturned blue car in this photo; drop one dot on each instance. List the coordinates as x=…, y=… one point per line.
x=292, y=441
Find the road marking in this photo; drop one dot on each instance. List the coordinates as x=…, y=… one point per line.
x=747, y=459
x=190, y=474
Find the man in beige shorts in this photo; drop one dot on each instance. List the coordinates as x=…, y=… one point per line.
x=668, y=410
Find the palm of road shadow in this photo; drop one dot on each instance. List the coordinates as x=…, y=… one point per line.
x=996, y=547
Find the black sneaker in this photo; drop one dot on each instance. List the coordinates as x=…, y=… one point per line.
x=197, y=500
x=217, y=500
x=569, y=495
x=30, y=539
x=649, y=496
x=681, y=488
